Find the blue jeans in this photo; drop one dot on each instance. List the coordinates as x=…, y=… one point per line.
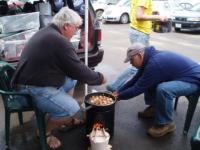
x=137, y=36
x=161, y=97
x=125, y=76
x=54, y=101
x=128, y=73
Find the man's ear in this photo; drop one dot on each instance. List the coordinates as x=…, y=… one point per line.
x=65, y=26
x=142, y=56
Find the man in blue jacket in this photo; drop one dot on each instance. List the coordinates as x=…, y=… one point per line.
x=161, y=76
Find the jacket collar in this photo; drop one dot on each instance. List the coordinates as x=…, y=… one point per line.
x=55, y=27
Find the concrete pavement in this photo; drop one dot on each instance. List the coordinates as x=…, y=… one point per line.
x=130, y=132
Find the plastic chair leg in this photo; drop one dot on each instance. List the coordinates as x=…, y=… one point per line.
x=176, y=102
x=193, y=100
x=7, y=128
x=20, y=116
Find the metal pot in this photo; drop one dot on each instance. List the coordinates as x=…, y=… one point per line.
x=90, y=105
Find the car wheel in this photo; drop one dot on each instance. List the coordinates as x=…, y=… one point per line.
x=124, y=18
x=99, y=13
x=177, y=29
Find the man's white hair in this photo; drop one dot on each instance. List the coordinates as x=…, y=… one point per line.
x=66, y=15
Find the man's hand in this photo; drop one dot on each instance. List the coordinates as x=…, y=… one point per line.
x=163, y=18
x=115, y=94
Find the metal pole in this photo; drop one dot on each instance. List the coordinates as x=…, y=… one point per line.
x=86, y=40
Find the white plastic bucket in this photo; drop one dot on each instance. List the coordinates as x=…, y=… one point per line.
x=99, y=142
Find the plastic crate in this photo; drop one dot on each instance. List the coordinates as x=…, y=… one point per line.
x=25, y=35
x=11, y=46
x=19, y=22
x=12, y=50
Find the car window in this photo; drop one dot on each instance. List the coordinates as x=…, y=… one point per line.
x=122, y=2
x=186, y=5
x=112, y=1
x=127, y=4
x=79, y=6
x=78, y=38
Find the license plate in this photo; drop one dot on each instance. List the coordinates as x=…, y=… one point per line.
x=178, y=25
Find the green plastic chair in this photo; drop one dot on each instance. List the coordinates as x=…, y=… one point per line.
x=10, y=99
x=195, y=139
x=192, y=103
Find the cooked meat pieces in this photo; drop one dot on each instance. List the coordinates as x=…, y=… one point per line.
x=101, y=100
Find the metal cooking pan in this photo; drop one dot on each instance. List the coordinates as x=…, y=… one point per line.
x=90, y=105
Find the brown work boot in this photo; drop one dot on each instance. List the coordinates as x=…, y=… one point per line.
x=149, y=112
x=161, y=130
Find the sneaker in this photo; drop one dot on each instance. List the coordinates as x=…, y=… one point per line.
x=161, y=130
x=149, y=112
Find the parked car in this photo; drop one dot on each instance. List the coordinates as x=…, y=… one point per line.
x=15, y=34
x=101, y=5
x=117, y=13
x=121, y=11
x=187, y=20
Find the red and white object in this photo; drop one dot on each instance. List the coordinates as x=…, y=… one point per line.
x=99, y=138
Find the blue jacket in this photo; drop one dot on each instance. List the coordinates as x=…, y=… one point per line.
x=160, y=66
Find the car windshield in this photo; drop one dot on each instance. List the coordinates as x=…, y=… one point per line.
x=122, y=2
x=196, y=7
x=77, y=2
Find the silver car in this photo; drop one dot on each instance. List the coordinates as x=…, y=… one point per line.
x=187, y=20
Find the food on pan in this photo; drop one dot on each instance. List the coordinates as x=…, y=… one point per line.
x=101, y=100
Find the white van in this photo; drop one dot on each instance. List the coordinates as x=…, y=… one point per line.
x=164, y=7
x=100, y=5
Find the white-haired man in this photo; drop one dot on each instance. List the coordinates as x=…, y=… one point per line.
x=48, y=70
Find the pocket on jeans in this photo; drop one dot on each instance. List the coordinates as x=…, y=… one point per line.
x=45, y=92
